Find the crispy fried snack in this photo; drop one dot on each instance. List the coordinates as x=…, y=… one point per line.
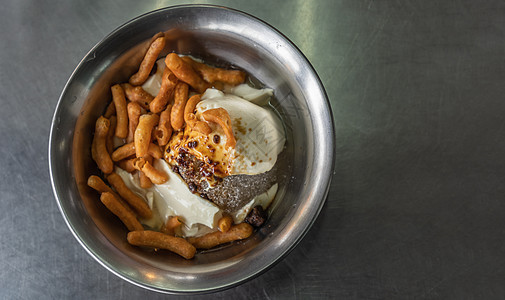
x=148, y=62
x=110, y=134
x=97, y=184
x=119, y=100
x=160, y=240
x=155, y=151
x=172, y=225
x=123, y=152
x=221, y=117
x=137, y=94
x=211, y=74
x=197, y=125
x=180, y=98
x=190, y=118
x=143, y=133
x=134, y=112
x=168, y=83
x=145, y=182
x=128, y=150
x=129, y=219
x=163, y=131
x=99, y=146
x=191, y=105
x=126, y=164
x=137, y=203
x=224, y=224
x=210, y=240
x=110, y=111
x=156, y=176
x=185, y=72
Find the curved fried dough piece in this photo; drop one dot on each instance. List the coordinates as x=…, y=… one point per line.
x=156, y=176
x=128, y=150
x=190, y=118
x=97, y=184
x=110, y=134
x=113, y=204
x=137, y=94
x=171, y=226
x=144, y=181
x=143, y=132
x=211, y=240
x=137, y=203
x=212, y=74
x=221, y=117
x=99, y=146
x=224, y=224
x=148, y=62
x=134, y=112
x=118, y=97
x=126, y=164
x=168, y=83
x=163, y=131
x=177, y=113
x=154, y=239
x=185, y=72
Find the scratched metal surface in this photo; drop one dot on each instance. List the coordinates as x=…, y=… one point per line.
x=417, y=205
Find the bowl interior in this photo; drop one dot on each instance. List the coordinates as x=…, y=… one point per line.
x=223, y=37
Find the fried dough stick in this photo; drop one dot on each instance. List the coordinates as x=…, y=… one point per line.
x=148, y=62
x=121, y=212
x=185, y=72
x=212, y=74
x=137, y=203
x=99, y=146
x=154, y=239
x=211, y=240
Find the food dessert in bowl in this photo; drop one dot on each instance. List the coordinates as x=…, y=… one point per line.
x=208, y=116
x=184, y=158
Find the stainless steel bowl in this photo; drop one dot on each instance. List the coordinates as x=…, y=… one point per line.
x=218, y=35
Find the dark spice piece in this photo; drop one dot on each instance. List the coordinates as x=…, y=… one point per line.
x=183, y=150
x=192, y=144
x=192, y=187
x=257, y=216
x=216, y=138
x=206, y=172
x=175, y=169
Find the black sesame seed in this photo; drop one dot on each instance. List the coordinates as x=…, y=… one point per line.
x=192, y=144
x=175, y=169
x=192, y=187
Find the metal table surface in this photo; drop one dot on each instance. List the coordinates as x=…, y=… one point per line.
x=417, y=204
